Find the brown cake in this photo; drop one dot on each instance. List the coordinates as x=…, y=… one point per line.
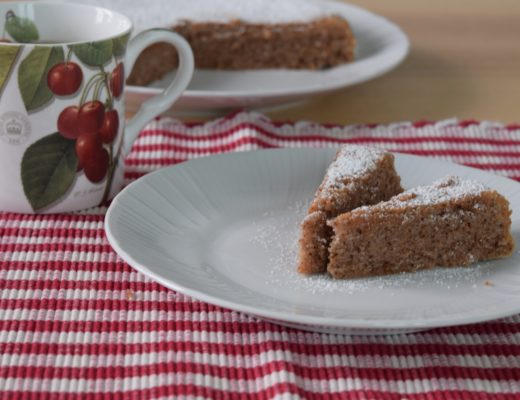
x=358, y=176
x=451, y=223
x=319, y=44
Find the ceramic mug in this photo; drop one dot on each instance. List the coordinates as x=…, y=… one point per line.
x=62, y=76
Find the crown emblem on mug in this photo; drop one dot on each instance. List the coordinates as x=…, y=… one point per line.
x=13, y=128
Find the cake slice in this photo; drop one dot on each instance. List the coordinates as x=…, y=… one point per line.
x=451, y=223
x=358, y=176
x=238, y=45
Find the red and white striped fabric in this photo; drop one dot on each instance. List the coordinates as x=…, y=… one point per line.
x=77, y=322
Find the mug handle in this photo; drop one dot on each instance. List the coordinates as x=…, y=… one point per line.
x=162, y=102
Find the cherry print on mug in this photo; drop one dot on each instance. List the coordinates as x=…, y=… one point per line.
x=85, y=136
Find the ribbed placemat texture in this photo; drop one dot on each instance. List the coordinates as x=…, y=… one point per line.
x=77, y=322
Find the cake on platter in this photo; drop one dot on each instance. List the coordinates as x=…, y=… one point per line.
x=239, y=34
x=360, y=222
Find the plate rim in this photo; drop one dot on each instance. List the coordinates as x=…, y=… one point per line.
x=284, y=316
x=402, y=47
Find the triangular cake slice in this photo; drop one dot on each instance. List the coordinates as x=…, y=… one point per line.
x=452, y=222
x=358, y=176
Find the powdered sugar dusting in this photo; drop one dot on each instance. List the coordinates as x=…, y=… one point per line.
x=279, y=237
x=352, y=161
x=166, y=13
x=274, y=235
x=441, y=191
x=445, y=278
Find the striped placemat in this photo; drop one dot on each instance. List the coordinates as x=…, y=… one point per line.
x=77, y=322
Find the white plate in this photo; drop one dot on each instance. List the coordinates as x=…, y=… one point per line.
x=223, y=229
x=381, y=47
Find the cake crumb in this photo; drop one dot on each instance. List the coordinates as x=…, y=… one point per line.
x=130, y=294
x=488, y=284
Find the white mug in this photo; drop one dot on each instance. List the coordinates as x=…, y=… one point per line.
x=63, y=137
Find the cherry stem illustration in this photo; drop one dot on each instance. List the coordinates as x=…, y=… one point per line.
x=97, y=89
x=91, y=82
x=107, y=86
x=69, y=56
x=111, y=170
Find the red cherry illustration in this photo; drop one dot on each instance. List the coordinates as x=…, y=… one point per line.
x=117, y=80
x=108, y=131
x=64, y=78
x=96, y=166
x=90, y=117
x=87, y=146
x=68, y=122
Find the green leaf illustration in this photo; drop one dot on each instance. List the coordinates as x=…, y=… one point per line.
x=48, y=170
x=8, y=56
x=22, y=30
x=95, y=53
x=32, y=75
x=119, y=45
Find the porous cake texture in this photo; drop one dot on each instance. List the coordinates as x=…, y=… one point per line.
x=358, y=176
x=236, y=45
x=452, y=222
